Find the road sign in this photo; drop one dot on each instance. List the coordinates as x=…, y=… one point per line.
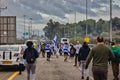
x=26, y=33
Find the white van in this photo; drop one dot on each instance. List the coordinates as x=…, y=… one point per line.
x=64, y=40
x=9, y=53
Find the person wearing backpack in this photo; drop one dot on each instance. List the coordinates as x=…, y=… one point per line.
x=83, y=53
x=30, y=55
x=115, y=62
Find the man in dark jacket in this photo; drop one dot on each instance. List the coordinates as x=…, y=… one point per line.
x=83, y=53
x=30, y=66
x=100, y=55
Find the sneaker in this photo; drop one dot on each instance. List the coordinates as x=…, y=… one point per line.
x=87, y=78
x=74, y=65
x=82, y=77
x=65, y=60
x=20, y=73
x=48, y=59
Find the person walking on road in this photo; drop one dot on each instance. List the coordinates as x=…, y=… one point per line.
x=72, y=51
x=66, y=51
x=115, y=62
x=43, y=50
x=83, y=53
x=48, y=50
x=77, y=47
x=30, y=55
x=100, y=55
x=21, y=61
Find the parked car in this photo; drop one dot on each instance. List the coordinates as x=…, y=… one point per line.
x=9, y=53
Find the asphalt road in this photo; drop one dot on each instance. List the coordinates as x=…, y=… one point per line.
x=6, y=72
x=56, y=69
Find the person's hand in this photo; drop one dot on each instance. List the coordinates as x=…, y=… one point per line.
x=79, y=63
x=17, y=59
x=86, y=67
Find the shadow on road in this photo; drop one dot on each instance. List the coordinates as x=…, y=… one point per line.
x=9, y=68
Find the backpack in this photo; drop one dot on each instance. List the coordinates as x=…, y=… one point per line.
x=116, y=51
x=30, y=56
x=116, y=55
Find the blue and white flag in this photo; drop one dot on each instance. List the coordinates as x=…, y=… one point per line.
x=55, y=43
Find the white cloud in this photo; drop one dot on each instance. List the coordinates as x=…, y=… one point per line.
x=43, y=10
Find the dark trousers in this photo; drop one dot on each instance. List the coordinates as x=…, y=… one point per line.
x=21, y=67
x=76, y=59
x=99, y=73
x=48, y=55
x=43, y=53
x=115, y=69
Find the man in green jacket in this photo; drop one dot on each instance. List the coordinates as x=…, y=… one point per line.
x=115, y=62
x=100, y=55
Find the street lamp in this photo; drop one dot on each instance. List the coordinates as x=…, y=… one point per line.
x=68, y=25
x=75, y=25
x=86, y=19
x=75, y=28
x=24, y=26
x=68, y=28
x=110, y=20
x=2, y=9
x=30, y=28
x=64, y=30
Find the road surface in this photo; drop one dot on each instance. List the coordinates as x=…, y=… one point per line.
x=56, y=69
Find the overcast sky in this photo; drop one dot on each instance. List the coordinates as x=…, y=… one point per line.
x=42, y=10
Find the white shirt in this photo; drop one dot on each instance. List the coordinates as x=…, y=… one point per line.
x=77, y=47
x=21, y=60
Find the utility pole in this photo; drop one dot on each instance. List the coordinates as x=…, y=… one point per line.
x=38, y=33
x=64, y=31
x=86, y=19
x=2, y=9
x=68, y=26
x=75, y=28
x=24, y=26
x=110, y=20
x=30, y=28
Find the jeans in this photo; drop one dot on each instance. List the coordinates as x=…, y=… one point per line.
x=83, y=68
x=31, y=68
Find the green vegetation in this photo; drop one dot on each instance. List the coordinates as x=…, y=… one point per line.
x=95, y=28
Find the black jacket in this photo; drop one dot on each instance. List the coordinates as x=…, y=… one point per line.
x=30, y=49
x=83, y=53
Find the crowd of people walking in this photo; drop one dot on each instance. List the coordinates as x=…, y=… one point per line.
x=81, y=54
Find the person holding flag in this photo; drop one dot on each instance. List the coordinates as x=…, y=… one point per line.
x=56, y=49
